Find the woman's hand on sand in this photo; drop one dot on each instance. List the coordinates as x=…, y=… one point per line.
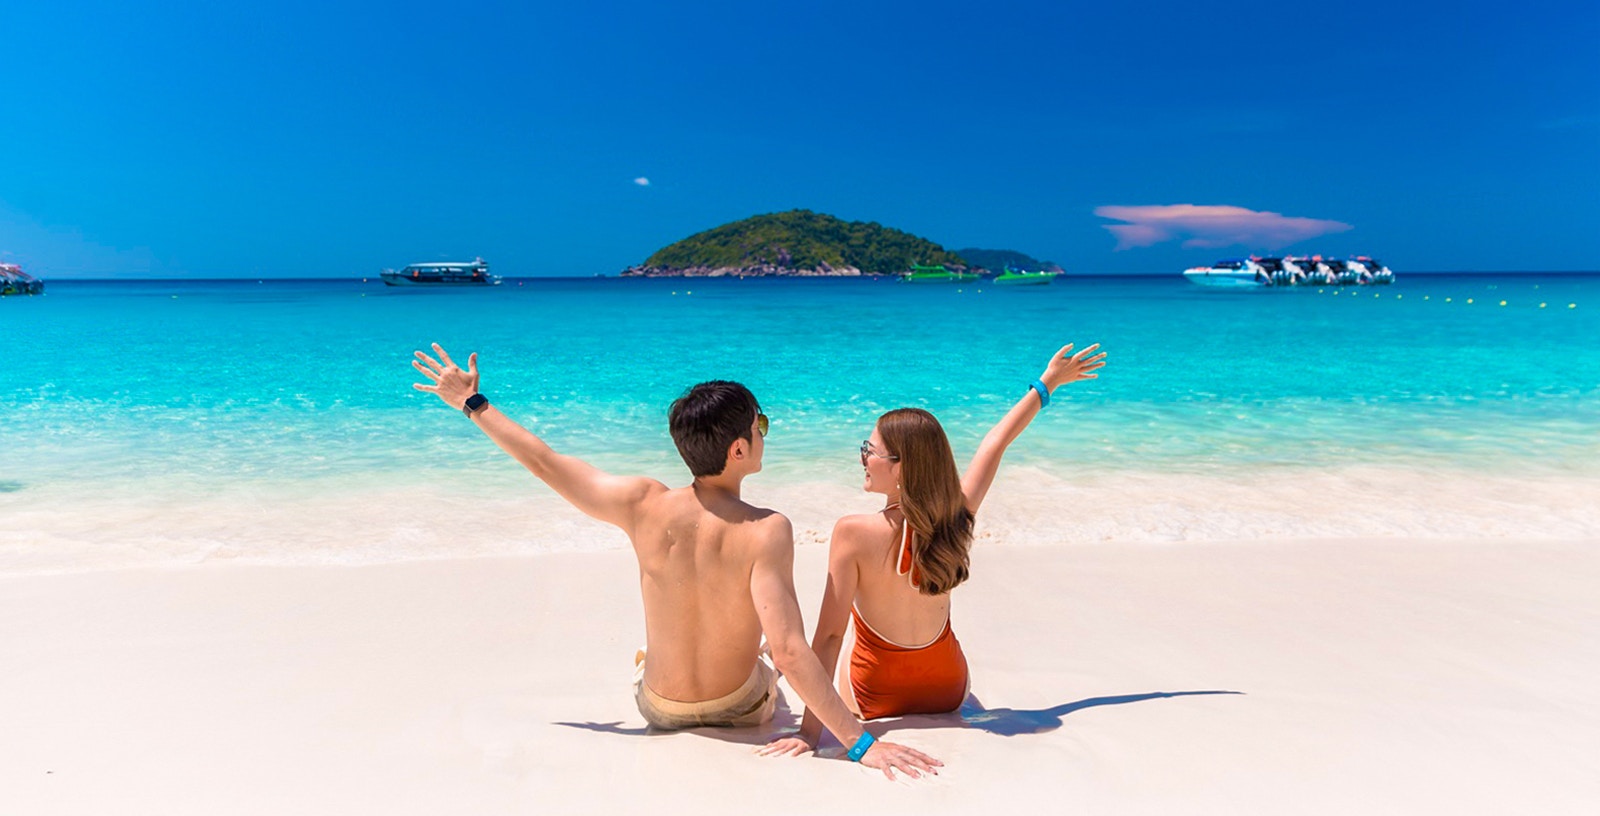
x=792, y=746
x=451, y=383
x=1066, y=367
x=890, y=757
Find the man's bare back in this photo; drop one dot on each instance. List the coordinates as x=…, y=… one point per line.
x=696, y=550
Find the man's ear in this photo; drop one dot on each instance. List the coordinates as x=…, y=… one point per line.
x=739, y=449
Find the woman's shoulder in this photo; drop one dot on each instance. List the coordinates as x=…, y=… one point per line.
x=859, y=530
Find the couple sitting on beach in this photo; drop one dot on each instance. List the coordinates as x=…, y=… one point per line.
x=717, y=574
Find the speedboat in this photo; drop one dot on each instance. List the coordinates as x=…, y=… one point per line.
x=1314, y=272
x=1280, y=271
x=475, y=273
x=1022, y=277
x=936, y=274
x=14, y=281
x=1380, y=273
x=1233, y=273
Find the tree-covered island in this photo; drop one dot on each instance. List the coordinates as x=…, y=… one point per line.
x=797, y=243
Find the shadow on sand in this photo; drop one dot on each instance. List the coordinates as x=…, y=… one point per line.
x=1007, y=722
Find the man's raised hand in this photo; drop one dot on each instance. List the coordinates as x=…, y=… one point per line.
x=449, y=382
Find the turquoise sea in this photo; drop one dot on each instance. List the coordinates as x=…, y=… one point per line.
x=158, y=422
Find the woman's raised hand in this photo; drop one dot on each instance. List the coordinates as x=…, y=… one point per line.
x=1066, y=367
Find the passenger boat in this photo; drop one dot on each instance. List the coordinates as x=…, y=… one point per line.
x=14, y=281
x=475, y=273
x=1022, y=277
x=935, y=274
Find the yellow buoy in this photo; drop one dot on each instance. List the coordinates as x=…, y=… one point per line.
x=1469, y=300
x=1447, y=300
x=1502, y=303
x=1569, y=305
x=1541, y=305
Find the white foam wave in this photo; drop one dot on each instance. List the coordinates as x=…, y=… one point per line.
x=60, y=530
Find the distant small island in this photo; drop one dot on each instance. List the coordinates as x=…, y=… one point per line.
x=999, y=259
x=797, y=243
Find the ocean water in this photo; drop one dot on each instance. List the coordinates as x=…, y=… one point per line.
x=167, y=422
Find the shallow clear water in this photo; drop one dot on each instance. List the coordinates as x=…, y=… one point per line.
x=198, y=399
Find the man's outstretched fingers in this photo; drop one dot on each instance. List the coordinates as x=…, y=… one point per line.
x=432, y=363
x=443, y=355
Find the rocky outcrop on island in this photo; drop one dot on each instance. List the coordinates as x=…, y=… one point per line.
x=798, y=243
x=752, y=271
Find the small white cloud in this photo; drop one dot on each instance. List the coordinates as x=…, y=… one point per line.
x=642, y=181
x=1210, y=226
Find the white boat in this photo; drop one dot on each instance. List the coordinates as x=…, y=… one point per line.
x=1234, y=273
x=475, y=273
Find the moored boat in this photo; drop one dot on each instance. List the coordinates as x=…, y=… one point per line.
x=475, y=273
x=1231, y=273
x=1022, y=277
x=14, y=281
x=936, y=274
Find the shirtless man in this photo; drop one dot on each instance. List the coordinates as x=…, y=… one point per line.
x=716, y=573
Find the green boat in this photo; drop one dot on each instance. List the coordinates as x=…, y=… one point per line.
x=936, y=274
x=1022, y=277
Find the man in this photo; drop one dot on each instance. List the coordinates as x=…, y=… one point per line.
x=716, y=573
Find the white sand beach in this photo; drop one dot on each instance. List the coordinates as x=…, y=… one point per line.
x=1349, y=676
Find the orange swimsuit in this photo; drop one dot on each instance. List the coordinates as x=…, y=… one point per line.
x=890, y=679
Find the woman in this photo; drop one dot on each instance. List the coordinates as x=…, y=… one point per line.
x=891, y=572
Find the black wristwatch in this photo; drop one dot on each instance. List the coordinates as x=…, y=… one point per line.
x=474, y=402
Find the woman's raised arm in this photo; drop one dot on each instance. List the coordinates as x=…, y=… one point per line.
x=1065, y=367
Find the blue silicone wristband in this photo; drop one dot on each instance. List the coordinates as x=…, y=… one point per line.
x=863, y=742
x=1044, y=394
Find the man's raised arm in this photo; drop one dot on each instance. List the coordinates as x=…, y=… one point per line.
x=599, y=494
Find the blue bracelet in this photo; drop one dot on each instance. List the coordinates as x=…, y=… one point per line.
x=1044, y=394
x=863, y=742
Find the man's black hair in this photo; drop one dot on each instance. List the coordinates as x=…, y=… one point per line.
x=706, y=420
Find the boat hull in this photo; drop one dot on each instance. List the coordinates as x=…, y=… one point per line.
x=1023, y=280
x=1218, y=279
x=397, y=279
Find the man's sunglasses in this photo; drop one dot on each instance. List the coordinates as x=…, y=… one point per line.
x=761, y=424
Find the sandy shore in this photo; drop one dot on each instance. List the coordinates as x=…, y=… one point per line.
x=1265, y=677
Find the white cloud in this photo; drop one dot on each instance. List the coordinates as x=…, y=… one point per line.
x=642, y=181
x=1210, y=226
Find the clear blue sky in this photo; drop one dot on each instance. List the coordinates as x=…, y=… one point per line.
x=335, y=138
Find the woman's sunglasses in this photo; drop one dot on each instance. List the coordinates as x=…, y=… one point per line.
x=866, y=450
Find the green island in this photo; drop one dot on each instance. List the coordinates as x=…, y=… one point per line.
x=999, y=259
x=797, y=243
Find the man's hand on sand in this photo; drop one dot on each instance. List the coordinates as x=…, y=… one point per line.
x=890, y=757
x=1066, y=367
x=451, y=383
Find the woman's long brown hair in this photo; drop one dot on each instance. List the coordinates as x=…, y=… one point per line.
x=930, y=498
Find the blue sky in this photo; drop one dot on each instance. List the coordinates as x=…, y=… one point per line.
x=337, y=138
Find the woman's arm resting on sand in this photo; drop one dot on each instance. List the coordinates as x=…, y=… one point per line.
x=1065, y=367
x=597, y=493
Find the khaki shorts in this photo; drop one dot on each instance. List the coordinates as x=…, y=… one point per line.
x=751, y=704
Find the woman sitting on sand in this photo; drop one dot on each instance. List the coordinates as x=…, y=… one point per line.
x=891, y=572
